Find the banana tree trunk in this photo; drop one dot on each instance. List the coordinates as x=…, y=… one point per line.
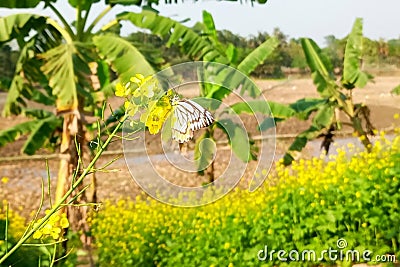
x=73, y=136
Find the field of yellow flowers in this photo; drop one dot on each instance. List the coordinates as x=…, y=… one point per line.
x=352, y=197
x=308, y=206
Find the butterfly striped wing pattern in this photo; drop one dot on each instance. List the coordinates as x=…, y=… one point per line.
x=188, y=116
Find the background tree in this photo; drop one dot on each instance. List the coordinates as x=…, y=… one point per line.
x=201, y=43
x=54, y=68
x=8, y=59
x=335, y=96
x=394, y=52
x=334, y=50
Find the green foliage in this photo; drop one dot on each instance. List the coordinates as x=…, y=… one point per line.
x=154, y=50
x=307, y=206
x=353, y=76
x=191, y=43
x=334, y=50
x=59, y=68
x=28, y=256
x=257, y=56
x=21, y=4
x=396, y=90
x=39, y=131
x=204, y=151
x=40, y=134
x=238, y=138
x=201, y=43
x=59, y=60
x=18, y=26
x=334, y=96
x=111, y=47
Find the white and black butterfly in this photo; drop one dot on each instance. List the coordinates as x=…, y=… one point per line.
x=188, y=116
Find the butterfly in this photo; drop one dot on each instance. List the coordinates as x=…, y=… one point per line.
x=186, y=116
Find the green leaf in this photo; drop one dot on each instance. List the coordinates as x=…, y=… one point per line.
x=5, y=83
x=210, y=25
x=39, y=96
x=27, y=72
x=40, y=133
x=19, y=25
x=353, y=76
x=267, y=108
x=19, y=3
x=231, y=53
x=192, y=44
x=59, y=68
x=324, y=117
x=258, y=55
x=280, y=110
x=128, y=2
x=15, y=132
x=287, y=158
x=251, y=107
x=269, y=123
x=229, y=78
x=320, y=66
x=103, y=73
x=300, y=142
x=83, y=4
x=238, y=139
x=13, y=97
x=37, y=113
x=396, y=90
x=207, y=48
x=204, y=151
x=125, y=59
x=305, y=106
x=316, y=60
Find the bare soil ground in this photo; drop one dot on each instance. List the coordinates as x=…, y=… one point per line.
x=24, y=185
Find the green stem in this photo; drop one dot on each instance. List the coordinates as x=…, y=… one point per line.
x=98, y=18
x=67, y=194
x=84, y=36
x=357, y=125
x=78, y=23
x=66, y=24
x=6, y=229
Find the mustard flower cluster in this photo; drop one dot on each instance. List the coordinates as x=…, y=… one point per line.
x=138, y=92
x=53, y=228
x=144, y=95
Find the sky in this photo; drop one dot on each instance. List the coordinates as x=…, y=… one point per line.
x=296, y=18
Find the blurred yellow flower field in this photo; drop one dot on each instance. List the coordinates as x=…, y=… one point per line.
x=307, y=206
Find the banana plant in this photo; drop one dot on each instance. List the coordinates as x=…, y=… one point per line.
x=200, y=42
x=66, y=67
x=335, y=96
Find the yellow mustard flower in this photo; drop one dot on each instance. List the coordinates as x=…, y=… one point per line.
x=158, y=113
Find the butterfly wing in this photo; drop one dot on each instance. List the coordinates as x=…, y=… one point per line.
x=180, y=125
x=188, y=116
